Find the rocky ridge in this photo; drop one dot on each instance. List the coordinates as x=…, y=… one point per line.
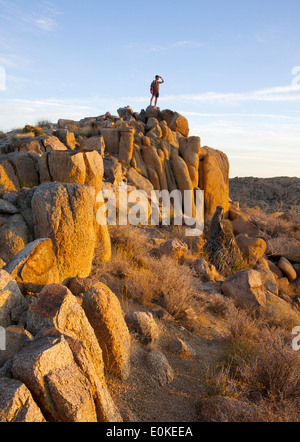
x=66, y=331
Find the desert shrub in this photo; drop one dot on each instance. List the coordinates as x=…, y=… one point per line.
x=165, y=284
x=229, y=260
x=286, y=225
x=220, y=305
x=146, y=278
x=45, y=124
x=36, y=130
x=132, y=242
x=275, y=369
x=218, y=381
x=280, y=315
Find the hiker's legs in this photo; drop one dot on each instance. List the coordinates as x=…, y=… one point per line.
x=156, y=97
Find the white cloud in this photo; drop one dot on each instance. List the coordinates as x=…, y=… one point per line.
x=281, y=93
x=18, y=112
x=178, y=44
x=44, y=18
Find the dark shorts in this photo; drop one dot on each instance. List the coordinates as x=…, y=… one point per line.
x=156, y=94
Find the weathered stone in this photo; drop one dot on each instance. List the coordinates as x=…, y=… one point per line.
x=17, y=404
x=71, y=395
x=160, y=367
x=252, y=248
x=216, y=186
x=235, y=213
x=80, y=285
x=65, y=213
x=52, y=143
x=104, y=313
x=206, y=271
x=47, y=367
x=137, y=180
x=111, y=140
x=8, y=178
x=35, y=266
x=155, y=132
x=179, y=124
x=112, y=170
x=12, y=303
x=7, y=208
x=14, y=236
x=182, y=175
x=67, y=138
x=105, y=407
x=181, y=348
x=153, y=112
x=155, y=168
x=143, y=324
x=72, y=167
x=15, y=337
x=173, y=248
x=275, y=269
x=287, y=269
x=267, y=276
x=246, y=227
x=56, y=307
x=33, y=145
x=125, y=112
x=137, y=161
x=245, y=288
x=126, y=145
x=190, y=149
x=94, y=143
x=289, y=248
x=25, y=168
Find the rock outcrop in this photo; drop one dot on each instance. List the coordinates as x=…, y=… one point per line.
x=67, y=339
x=65, y=213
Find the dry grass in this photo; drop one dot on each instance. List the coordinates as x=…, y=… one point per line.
x=286, y=225
x=274, y=371
x=220, y=305
x=260, y=359
x=257, y=355
x=148, y=279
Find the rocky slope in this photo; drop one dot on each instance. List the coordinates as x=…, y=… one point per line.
x=114, y=323
x=278, y=194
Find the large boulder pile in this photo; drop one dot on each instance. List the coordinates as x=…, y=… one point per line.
x=67, y=331
x=54, y=365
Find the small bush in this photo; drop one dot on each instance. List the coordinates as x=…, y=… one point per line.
x=36, y=130
x=220, y=305
x=275, y=370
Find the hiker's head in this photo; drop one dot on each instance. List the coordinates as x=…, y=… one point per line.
x=156, y=77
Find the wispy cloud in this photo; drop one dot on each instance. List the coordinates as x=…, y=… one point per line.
x=281, y=93
x=276, y=94
x=177, y=45
x=44, y=17
x=182, y=44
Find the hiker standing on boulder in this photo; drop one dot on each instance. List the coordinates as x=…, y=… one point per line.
x=154, y=89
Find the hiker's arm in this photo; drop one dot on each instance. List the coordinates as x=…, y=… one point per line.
x=162, y=80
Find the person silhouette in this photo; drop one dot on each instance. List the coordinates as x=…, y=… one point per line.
x=154, y=89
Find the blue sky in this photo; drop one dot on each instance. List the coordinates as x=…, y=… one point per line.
x=231, y=67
